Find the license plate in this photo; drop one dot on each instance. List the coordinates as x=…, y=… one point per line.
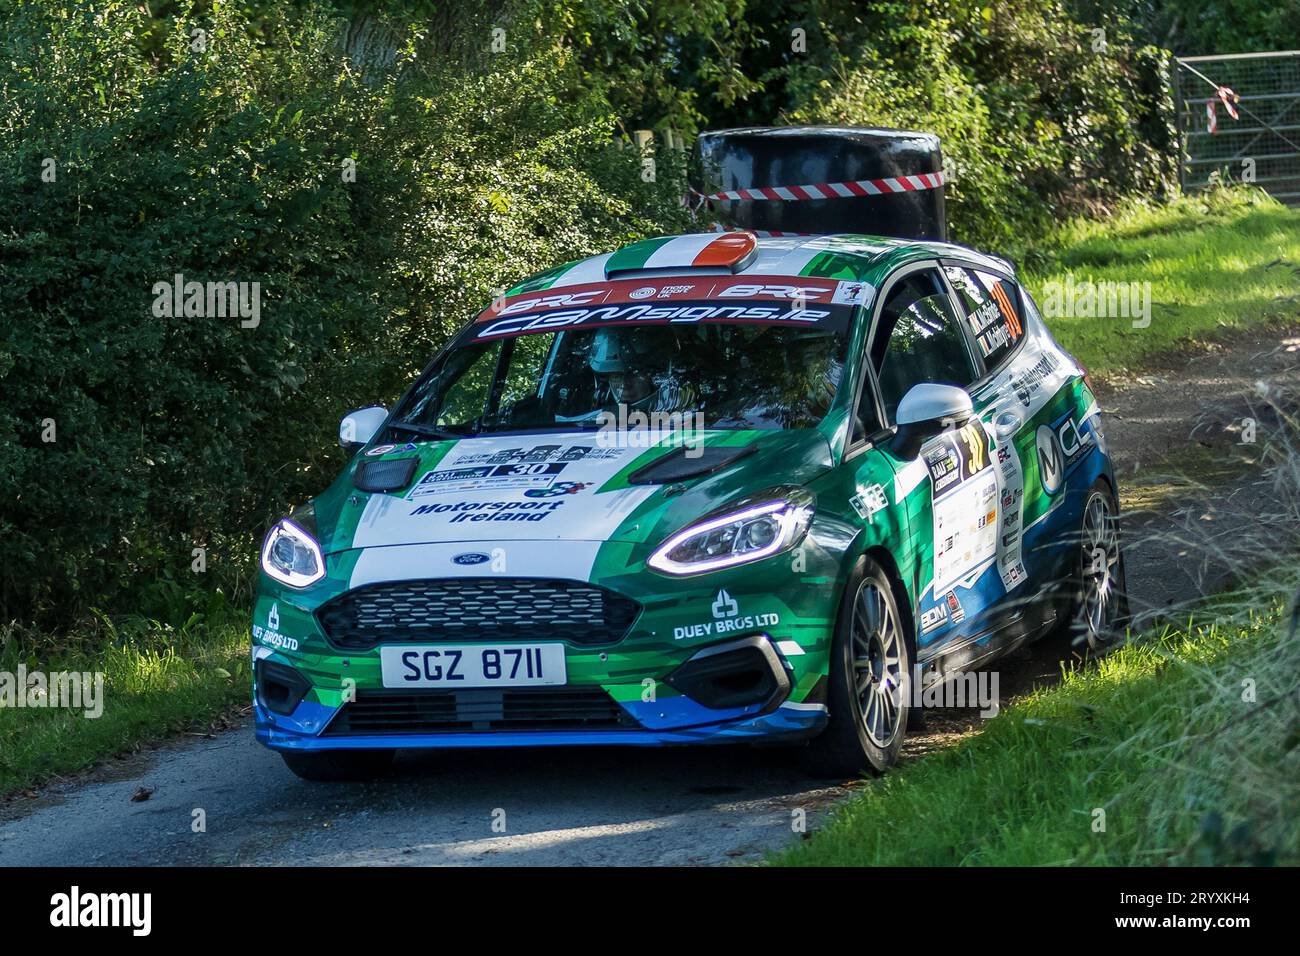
x=473, y=665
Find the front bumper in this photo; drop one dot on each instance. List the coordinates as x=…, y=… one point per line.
x=731, y=691
x=788, y=722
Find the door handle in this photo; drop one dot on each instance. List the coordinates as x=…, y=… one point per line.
x=1006, y=424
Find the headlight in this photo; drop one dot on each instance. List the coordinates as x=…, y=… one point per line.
x=292, y=556
x=747, y=534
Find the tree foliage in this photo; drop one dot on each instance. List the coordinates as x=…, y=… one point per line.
x=126, y=168
x=482, y=140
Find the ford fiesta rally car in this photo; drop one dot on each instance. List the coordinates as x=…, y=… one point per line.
x=706, y=488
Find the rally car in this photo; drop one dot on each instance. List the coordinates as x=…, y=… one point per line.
x=703, y=489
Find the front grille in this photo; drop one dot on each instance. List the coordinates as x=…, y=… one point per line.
x=431, y=712
x=476, y=609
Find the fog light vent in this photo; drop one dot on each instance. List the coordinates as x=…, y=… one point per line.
x=735, y=674
x=280, y=688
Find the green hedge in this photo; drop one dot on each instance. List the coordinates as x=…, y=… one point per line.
x=223, y=164
x=134, y=153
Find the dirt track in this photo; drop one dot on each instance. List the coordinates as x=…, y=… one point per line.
x=603, y=807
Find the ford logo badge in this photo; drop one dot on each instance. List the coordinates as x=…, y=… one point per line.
x=471, y=557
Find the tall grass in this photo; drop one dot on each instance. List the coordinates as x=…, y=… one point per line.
x=158, y=679
x=1181, y=747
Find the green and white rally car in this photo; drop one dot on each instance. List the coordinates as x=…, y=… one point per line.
x=703, y=489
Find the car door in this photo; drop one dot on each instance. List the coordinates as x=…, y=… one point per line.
x=951, y=492
x=1040, y=410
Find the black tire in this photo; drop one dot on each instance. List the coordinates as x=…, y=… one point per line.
x=339, y=766
x=870, y=674
x=1096, y=599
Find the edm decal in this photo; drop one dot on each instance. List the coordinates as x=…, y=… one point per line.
x=727, y=619
x=1058, y=447
x=934, y=618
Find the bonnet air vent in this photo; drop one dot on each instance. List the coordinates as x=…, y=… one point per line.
x=390, y=475
x=686, y=463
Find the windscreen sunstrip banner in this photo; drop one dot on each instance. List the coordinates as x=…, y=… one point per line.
x=782, y=300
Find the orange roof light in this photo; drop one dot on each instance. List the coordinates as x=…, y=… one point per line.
x=731, y=250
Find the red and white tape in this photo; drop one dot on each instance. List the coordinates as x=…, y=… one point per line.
x=845, y=190
x=1225, y=96
x=763, y=233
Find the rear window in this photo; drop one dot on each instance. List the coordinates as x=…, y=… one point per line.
x=993, y=312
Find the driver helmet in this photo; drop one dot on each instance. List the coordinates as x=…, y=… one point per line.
x=619, y=361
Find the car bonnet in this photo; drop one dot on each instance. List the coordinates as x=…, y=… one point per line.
x=565, y=486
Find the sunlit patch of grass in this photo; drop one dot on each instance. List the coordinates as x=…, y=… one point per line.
x=158, y=680
x=1178, y=749
x=1217, y=262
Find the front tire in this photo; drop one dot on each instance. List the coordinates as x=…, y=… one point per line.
x=339, y=766
x=870, y=672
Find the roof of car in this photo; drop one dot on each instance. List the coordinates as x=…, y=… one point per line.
x=834, y=256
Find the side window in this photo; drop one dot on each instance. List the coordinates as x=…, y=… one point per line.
x=992, y=311
x=465, y=395
x=523, y=371
x=919, y=340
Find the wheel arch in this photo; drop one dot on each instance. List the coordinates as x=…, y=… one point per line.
x=885, y=558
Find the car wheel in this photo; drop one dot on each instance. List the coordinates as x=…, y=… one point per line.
x=870, y=670
x=337, y=766
x=1100, y=603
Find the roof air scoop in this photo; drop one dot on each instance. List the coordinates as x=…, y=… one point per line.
x=720, y=254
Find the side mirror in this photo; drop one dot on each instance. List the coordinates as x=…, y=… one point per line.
x=926, y=410
x=357, y=428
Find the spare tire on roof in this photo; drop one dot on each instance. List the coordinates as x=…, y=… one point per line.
x=825, y=179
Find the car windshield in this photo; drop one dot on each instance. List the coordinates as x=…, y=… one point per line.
x=778, y=368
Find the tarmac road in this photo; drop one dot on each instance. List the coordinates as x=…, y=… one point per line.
x=582, y=806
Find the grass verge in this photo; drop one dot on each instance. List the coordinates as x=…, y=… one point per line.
x=157, y=681
x=1217, y=262
x=1179, y=749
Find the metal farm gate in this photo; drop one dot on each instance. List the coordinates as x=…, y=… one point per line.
x=1261, y=143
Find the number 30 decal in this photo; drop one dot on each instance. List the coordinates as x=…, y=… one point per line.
x=976, y=448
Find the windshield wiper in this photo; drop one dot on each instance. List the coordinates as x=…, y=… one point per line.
x=427, y=431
